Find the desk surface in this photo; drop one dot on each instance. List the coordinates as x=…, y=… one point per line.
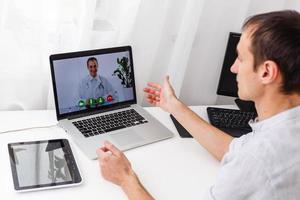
x=175, y=168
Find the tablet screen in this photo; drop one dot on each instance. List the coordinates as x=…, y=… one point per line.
x=42, y=164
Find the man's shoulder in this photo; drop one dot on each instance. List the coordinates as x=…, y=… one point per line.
x=266, y=159
x=275, y=154
x=85, y=79
x=102, y=78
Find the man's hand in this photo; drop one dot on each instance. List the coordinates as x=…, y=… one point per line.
x=116, y=168
x=114, y=165
x=162, y=96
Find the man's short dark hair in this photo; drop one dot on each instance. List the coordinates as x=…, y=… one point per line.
x=276, y=36
x=91, y=59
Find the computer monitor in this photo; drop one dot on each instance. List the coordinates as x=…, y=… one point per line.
x=227, y=82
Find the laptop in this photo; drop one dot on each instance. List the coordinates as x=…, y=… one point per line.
x=95, y=100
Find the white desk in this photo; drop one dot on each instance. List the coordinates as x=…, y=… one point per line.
x=175, y=168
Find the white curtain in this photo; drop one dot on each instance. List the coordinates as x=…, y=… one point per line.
x=184, y=39
x=30, y=30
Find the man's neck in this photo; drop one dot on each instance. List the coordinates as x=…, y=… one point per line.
x=93, y=76
x=271, y=105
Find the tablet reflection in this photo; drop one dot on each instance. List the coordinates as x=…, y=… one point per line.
x=39, y=164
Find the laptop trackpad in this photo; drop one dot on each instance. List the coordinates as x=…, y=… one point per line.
x=127, y=139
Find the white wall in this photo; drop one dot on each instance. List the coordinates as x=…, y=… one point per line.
x=158, y=30
x=218, y=18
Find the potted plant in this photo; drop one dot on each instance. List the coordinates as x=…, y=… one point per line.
x=124, y=72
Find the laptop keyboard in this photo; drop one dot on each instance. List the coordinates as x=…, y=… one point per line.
x=110, y=122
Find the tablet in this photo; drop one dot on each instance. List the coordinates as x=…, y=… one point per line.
x=44, y=164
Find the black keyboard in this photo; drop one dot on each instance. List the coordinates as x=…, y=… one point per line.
x=110, y=122
x=231, y=119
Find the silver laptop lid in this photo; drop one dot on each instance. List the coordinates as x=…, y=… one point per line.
x=92, y=81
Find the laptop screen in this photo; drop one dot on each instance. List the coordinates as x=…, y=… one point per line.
x=92, y=80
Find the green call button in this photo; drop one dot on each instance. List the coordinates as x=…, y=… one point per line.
x=101, y=100
x=92, y=102
x=81, y=103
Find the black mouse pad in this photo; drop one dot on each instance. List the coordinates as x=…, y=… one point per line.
x=181, y=130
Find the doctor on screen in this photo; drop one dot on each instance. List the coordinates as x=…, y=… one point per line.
x=94, y=86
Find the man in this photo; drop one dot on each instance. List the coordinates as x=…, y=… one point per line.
x=264, y=164
x=95, y=86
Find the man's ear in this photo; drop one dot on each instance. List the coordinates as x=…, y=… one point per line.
x=269, y=72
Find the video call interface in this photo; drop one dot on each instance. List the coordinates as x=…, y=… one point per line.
x=95, y=81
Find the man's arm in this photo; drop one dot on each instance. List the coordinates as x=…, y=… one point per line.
x=116, y=168
x=135, y=190
x=214, y=140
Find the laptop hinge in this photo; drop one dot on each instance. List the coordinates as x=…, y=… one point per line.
x=97, y=112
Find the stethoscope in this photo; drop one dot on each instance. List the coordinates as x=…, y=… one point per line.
x=101, y=85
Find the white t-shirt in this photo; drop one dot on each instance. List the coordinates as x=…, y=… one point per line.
x=264, y=164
